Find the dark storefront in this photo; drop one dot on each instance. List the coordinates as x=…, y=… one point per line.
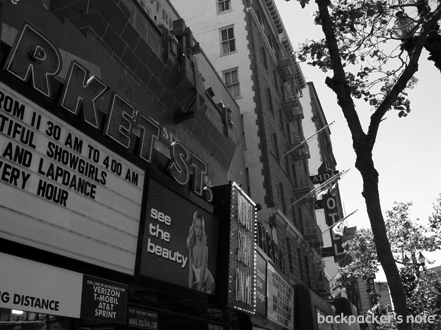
x=310, y=307
x=344, y=308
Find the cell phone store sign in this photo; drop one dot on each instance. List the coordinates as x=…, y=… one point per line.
x=103, y=300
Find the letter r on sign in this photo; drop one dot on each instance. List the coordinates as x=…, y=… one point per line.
x=33, y=53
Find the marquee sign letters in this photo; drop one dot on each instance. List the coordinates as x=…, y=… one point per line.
x=33, y=56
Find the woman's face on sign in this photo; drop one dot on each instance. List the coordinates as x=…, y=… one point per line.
x=198, y=228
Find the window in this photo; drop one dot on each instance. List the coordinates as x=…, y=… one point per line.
x=231, y=80
x=281, y=195
x=299, y=259
x=294, y=175
x=305, y=168
x=269, y=100
x=300, y=221
x=263, y=55
x=228, y=42
x=275, y=146
x=271, y=42
x=223, y=5
x=298, y=131
x=174, y=45
x=275, y=79
x=308, y=276
x=259, y=17
x=242, y=127
x=247, y=174
x=288, y=170
x=281, y=119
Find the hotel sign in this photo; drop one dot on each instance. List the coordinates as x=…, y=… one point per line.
x=332, y=216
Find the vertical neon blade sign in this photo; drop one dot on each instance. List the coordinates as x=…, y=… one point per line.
x=242, y=264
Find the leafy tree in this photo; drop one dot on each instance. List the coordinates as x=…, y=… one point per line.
x=373, y=53
x=409, y=240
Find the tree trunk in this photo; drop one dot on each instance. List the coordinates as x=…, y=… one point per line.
x=371, y=195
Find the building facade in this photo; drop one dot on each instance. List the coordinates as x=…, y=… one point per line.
x=247, y=43
x=114, y=140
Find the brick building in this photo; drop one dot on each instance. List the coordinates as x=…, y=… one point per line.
x=113, y=135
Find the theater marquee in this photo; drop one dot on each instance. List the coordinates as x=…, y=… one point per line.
x=68, y=177
x=57, y=181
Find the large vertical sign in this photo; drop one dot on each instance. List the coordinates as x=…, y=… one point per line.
x=179, y=242
x=242, y=264
x=62, y=191
x=261, y=284
x=332, y=215
x=269, y=246
x=280, y=299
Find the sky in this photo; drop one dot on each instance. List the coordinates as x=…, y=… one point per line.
x=407, y=154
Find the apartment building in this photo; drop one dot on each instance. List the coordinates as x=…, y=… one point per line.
x=248, y=45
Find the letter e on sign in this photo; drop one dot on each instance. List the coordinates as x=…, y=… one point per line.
x=119, y=121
